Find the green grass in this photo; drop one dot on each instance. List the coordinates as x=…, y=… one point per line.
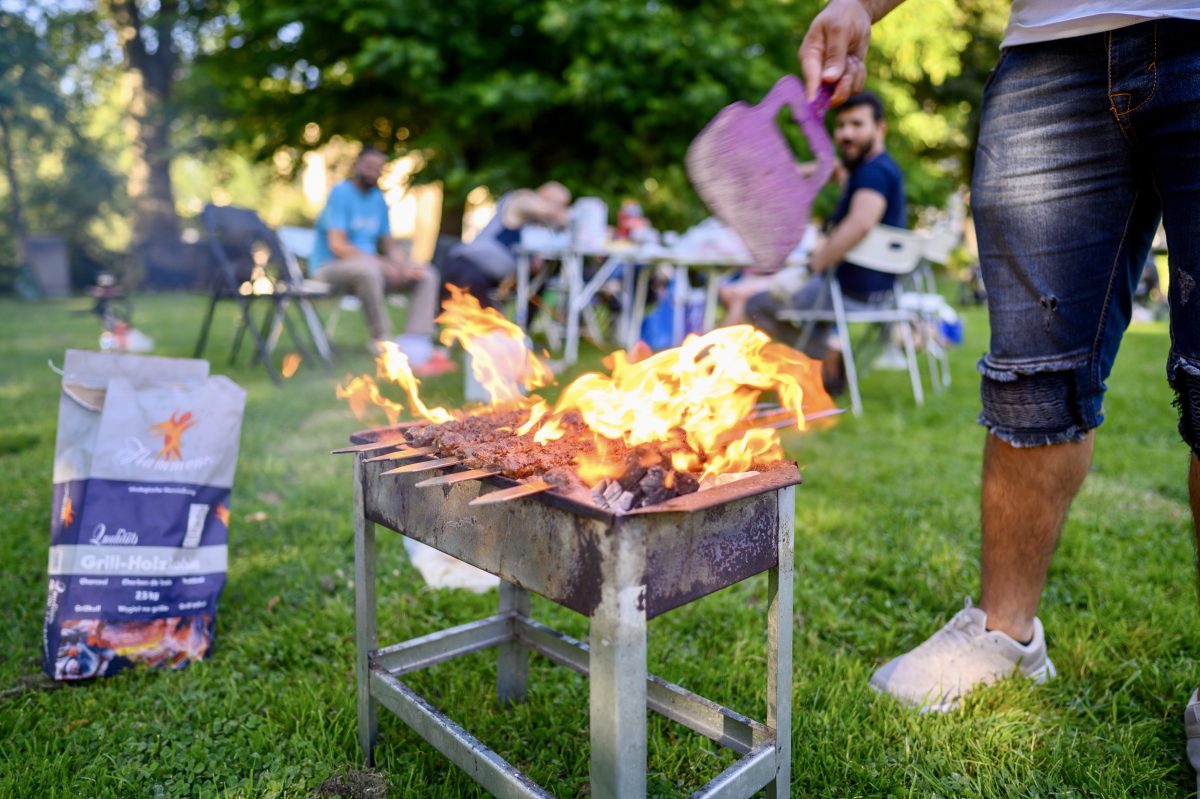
x=886, y=548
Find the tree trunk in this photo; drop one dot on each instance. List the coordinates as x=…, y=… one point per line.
x=20, y=230
x=150, y=189
x=150, y=76
x=454, y=206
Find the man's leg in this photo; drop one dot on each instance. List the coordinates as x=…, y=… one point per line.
x=460, y=271
x=1064, y=214
x=363, y=279
x=1026, y=494
x=423, y=304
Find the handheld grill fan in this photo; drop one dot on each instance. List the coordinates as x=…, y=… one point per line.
x=746, y=173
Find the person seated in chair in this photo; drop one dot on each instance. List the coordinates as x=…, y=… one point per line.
x=483, y=263
x=355, y=253
x=873, y=193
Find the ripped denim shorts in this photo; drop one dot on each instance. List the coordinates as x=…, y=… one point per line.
x=1086, y=143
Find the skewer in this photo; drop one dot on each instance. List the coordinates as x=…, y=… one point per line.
x=457, y=477
x=371, y=446
x=423, y=466
x=402, y=454
x=505, y=494
x=774, y=420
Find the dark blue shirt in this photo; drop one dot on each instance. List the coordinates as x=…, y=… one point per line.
x=881, y=174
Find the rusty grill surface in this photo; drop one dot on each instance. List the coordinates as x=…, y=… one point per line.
x=619, y=569
x=554, y=545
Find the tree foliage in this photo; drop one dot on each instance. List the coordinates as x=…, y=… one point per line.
x=602, y=94
x=57, y=179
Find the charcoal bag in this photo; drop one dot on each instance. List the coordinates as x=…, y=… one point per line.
x=143, y=467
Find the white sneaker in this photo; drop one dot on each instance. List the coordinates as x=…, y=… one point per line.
x=1191, y=724
x=961, y=656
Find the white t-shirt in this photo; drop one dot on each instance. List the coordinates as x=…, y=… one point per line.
x=1046, y=20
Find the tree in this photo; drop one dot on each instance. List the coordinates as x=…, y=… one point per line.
x=29, y=103
x=602, y=95
x=155, y=38
x=57, y=179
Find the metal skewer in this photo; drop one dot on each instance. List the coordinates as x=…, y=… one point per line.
x=457, y=477
x=423, y=466
x=506, y=494
x=402, y=454
x=371, y=446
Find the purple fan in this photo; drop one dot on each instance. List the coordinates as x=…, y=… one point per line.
x=747, y=175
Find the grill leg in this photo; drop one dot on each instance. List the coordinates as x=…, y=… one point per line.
x=617, y=676
x=365, y=632
x=779, y=647
x=512, y=662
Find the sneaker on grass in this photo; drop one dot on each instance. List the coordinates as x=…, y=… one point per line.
x=1191, y=724
x=961, y=656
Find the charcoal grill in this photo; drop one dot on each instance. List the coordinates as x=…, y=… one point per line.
x=619, y=570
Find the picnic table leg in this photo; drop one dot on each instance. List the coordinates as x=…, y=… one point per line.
x=573, y=272
x=638, y=310
x=522, y=312
x=627, y=299
x=710, y=298
x=679, y=299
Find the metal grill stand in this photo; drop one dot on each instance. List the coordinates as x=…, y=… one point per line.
x=619, y=571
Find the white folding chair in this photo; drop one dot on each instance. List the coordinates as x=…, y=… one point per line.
x=885, y=249
x=928, y=302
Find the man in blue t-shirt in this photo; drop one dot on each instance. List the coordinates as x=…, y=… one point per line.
x=873, y=194
x=355, y=253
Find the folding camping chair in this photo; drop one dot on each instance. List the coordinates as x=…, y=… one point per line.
x=885, y=249
x=252, y=269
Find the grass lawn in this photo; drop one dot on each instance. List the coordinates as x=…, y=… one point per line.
x=886, y=549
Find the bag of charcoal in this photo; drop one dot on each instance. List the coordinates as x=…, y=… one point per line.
x=143, y=467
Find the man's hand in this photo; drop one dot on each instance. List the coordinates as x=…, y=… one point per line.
x=835, y=48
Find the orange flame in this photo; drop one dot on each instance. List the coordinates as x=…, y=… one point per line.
x=172, y=434
x=67, y=514
x=363, y=392
x=500, y=360
x=222, y=514
x=693, y=403
x=693, y=400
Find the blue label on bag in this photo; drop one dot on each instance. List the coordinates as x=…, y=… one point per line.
x=135, y=571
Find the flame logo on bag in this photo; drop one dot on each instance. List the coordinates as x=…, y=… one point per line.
x=67, y=514
x=172, y=434
x=222, y=514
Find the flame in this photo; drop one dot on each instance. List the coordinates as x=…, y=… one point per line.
x=222, y=514
x=67, y=514
x=500, y=361
x=392, y=364
x=172, y=434
x=693, y=401
x=694, y=404
x=291, y=362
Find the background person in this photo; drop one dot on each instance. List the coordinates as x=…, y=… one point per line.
x=873, y=193
x=483, y=263
x=355, y=253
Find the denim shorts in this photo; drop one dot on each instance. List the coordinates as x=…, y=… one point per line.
x=1085, y=144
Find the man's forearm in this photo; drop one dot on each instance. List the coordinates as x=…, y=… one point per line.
x=844, y=238
x=878, y=9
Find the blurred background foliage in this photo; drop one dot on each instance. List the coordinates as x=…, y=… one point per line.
x=123, y=117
